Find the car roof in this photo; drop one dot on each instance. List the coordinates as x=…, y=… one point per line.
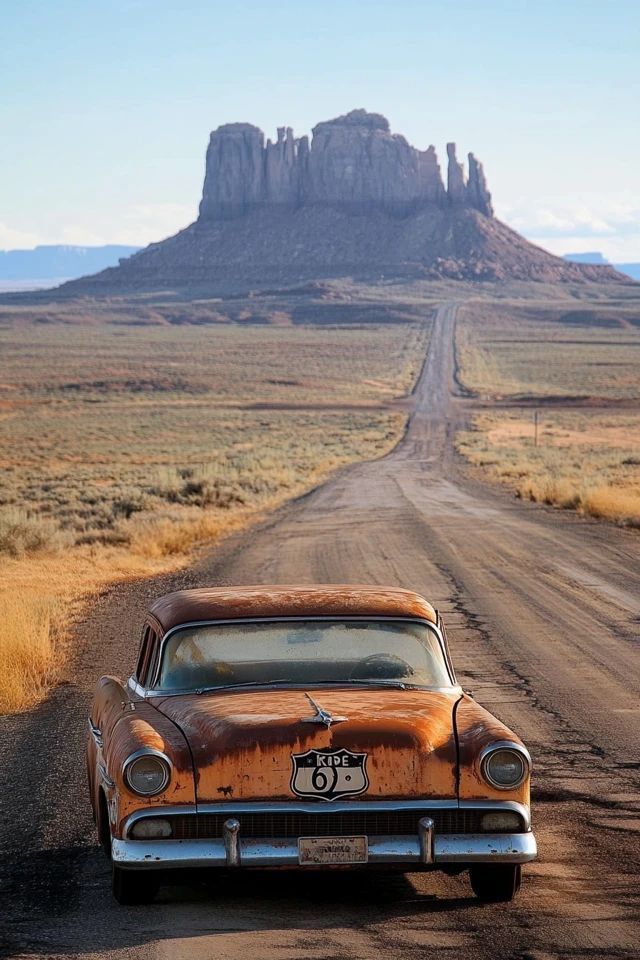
x=319, y=600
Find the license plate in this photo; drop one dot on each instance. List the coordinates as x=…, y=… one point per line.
x=315, y=851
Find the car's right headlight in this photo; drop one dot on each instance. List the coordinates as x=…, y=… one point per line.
x=147, y=772
x=505, y=765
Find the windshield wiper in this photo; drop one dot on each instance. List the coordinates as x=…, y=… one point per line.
x=236, y=686
x=373, y=682
x=395, y=684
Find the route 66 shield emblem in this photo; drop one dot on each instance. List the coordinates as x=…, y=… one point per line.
x=328, y=774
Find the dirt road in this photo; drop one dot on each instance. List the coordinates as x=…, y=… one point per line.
x=543, y=610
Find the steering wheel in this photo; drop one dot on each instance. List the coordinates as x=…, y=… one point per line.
x=213, y=674
x=381, y=666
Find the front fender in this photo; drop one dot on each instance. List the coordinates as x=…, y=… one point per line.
x=139, y=728
x=476, y=729
x=125, y=726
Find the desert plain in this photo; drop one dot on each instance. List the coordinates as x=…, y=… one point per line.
x=476, y=442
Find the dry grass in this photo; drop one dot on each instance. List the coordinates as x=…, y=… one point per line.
x=22, y=533
x=563, y=350
x=31, y=626
x=39, y=596
x=587, y=461
x=122, y=449
x=156, y=539
x=92, y=423
x=612, y=504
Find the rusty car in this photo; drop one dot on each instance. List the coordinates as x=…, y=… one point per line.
x=302, y=727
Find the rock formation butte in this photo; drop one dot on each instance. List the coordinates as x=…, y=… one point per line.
x=354, y=164
x=356, y=200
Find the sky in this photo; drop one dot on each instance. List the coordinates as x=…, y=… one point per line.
x=106, y=107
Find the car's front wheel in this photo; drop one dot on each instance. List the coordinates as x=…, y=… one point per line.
x=133, y=886
x=495, y=882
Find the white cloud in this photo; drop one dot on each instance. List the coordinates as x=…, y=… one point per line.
x=12, y=239
x=137, y=225
x=148, y=223
x=76, y=235
x=559, y=220
x=610, y=225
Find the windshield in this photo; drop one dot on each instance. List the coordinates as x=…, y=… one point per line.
x=303, y=652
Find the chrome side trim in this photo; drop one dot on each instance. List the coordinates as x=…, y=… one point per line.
x=133, y=684
x=151, y=689
x=104, y=776
x=504, y=745
x=448, y=848
x=95, y=733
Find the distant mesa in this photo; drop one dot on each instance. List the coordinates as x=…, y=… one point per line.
x=58, y=262
x=354, y=200
x=591, y=256
x=631, y=270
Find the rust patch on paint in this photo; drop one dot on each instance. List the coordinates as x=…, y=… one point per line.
x=246, y=739
x=330, y=600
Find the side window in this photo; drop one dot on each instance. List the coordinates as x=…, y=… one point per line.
x=145, y=644
x=154, y=652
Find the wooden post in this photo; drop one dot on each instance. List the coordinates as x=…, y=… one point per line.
x=535, y=428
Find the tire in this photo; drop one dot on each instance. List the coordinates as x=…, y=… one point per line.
x=133, y=886
x=495, y=883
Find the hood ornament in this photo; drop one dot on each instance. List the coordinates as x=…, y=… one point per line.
x=321, y=716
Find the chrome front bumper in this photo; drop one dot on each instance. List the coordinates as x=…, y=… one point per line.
x=451, y=848
x=426, y=849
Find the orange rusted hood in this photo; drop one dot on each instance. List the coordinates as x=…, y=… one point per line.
x=394, y=743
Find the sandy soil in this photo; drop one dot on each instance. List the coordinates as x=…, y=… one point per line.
x=542, y=611
x=512, y=432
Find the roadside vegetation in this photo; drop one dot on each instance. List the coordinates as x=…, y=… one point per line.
x=577, y=371
x=124, y=448
x=585, y=462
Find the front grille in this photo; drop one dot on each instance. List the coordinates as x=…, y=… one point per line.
x=283, y=825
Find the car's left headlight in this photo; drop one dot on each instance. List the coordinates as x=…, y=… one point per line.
x=505, y=765
x=147, y=772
